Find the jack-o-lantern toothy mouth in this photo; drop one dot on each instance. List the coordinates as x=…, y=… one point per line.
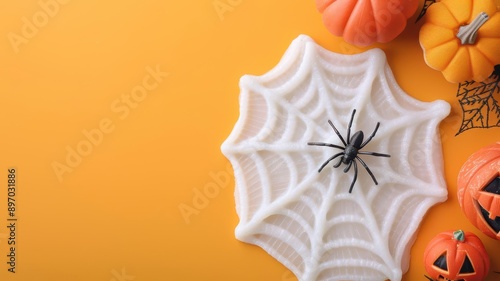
x=446, y=279
x=494, y=224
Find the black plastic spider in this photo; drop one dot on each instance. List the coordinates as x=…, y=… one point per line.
x=350, y=150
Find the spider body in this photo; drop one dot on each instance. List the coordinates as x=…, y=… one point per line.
x=353, y=147
x=351, y=151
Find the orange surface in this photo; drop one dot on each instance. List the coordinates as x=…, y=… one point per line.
x=76, y=78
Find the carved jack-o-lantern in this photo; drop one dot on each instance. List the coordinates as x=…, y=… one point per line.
x=457, y=256
x=479, y=189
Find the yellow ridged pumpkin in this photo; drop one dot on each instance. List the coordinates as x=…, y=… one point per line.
x=461, y=38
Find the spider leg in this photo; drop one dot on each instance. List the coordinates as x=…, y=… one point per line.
x=374, y=153
x=337, y=132
x=348, y=167
x=328, y=161
x=355, y=175
x=371, y=136
x=338, y=163
x=326, y=144
x=350, y=125
x=367, y=169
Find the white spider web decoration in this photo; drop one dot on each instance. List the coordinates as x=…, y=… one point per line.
x=308, y=220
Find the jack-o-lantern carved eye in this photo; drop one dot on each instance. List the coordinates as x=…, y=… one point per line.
x=466, y=267
x=494, y=188
x=441, y=262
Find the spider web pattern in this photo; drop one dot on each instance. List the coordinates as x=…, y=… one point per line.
x=480, y=104
x=308, y=220
x=427, y=4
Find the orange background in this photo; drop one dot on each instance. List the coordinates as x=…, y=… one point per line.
x=114, y=213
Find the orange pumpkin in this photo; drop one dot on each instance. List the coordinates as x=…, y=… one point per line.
x=479, y=189
x=363, y=22
x=462, y=38
x=456, y=255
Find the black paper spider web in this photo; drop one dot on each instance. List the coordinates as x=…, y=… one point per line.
x=480, y=102
x=427, y=4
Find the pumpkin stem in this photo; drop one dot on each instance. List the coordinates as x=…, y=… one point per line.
x=459, y=235
x=468, y=33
